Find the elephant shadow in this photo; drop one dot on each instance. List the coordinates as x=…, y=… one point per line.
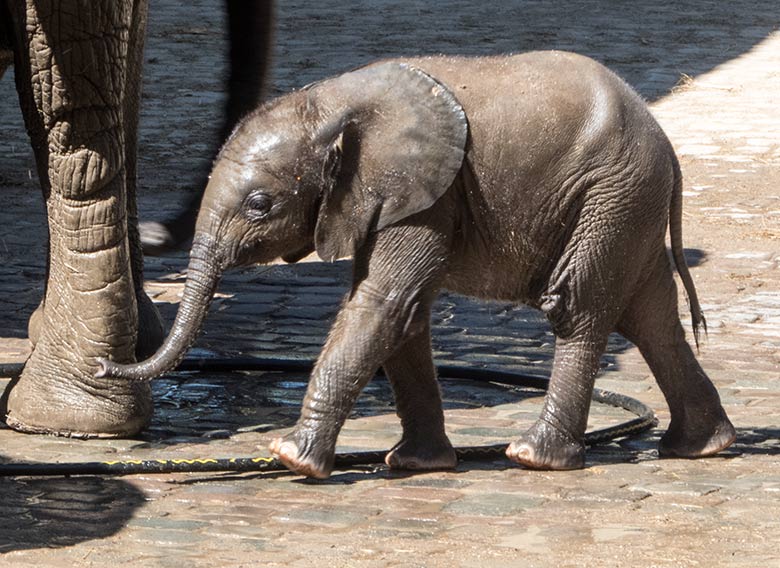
x=199, y=408
x=757, y=441
x=61, y=512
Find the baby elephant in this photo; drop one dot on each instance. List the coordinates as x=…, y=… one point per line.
x=538, y=178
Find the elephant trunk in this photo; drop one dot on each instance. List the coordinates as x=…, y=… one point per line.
x=203, y=274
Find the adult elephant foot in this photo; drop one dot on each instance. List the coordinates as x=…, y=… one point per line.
x=57, y=392
x=544, y=447
x=93, y=308
x=161, y=238
x=707, y=436
x=38, y=406
x=422, y=455
x=158, y=239
x=34, y=325
x=303, y=458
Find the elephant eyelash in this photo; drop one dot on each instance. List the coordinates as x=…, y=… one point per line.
x=258, y=204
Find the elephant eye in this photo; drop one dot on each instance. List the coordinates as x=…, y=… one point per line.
x=258, y=204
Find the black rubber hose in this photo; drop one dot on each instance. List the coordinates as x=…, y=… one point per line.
x=644, y=420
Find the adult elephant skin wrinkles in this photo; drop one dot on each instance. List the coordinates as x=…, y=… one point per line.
x=78, y=73
x=77, y=66
x=539, y=178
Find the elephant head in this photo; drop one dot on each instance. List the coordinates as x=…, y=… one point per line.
x=320, y=169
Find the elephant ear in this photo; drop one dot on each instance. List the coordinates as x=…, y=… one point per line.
x=394, y=144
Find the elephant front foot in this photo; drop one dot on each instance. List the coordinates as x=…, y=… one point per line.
x=34, y=325
x=303, y=458
x=706, y=436
x=544, y=447
x=58, y=401
x=422, y=454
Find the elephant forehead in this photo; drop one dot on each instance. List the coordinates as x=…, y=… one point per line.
x=262, y=144
x=273, y=149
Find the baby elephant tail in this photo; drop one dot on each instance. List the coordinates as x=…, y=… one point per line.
x=675, y=232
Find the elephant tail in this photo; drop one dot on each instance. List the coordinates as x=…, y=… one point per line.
x=675, y=232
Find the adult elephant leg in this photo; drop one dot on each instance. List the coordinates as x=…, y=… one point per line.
x=5, y=60
x=250, y=27
x=71, y=73
x=151, y=333
x=424, y=444
x=699, y=425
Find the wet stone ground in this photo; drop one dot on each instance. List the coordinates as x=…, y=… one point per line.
x=710, y=73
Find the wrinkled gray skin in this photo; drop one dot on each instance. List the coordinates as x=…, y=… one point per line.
x=539, y=178
x=77, y=65
x=78, y=74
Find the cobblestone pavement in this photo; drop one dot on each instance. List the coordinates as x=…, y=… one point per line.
x=711, y=72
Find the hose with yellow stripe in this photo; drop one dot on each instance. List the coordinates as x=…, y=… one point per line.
x=643, y=421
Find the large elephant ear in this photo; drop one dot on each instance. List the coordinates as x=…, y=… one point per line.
x=395, y=144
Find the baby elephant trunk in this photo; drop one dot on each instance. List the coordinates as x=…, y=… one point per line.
x=203, y=275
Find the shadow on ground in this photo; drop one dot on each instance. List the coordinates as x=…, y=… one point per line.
x=695, y=257
x=653, y=45
x=285, y=311
x=61, y=512
x=758, y=441
x=204, y=408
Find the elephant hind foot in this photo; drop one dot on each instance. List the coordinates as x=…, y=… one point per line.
x=544, y=447
x=287, y=451
x=422, y=455
x=700, y=440
x=160, y=239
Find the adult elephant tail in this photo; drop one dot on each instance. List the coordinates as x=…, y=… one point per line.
x=675, y=232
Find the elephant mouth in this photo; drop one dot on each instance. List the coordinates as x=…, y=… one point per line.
x=249, y=254
x=297, y=255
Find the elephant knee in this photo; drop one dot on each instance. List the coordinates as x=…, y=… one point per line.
x=84, y=162
x=557, y=310
x=416, y=320
x=396, y=315
x=87, y=179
